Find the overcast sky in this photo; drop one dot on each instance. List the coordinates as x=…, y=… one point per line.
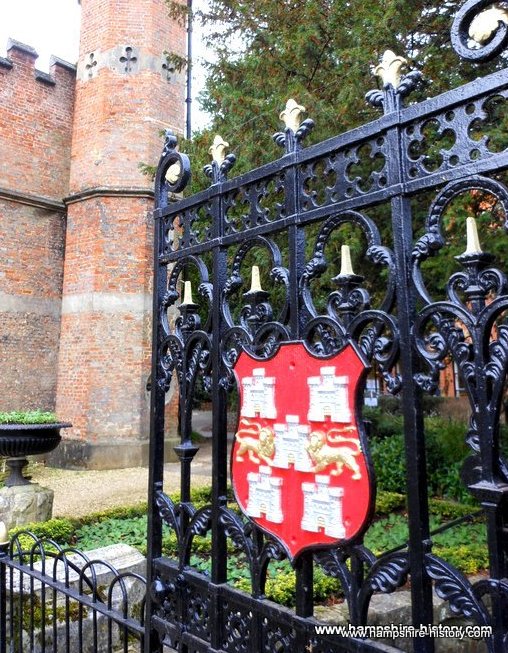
x=49, y=26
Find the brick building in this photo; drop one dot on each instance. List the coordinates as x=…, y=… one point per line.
x=76, y=229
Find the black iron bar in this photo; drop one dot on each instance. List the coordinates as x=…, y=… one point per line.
x=416, y=473
x=156, y=450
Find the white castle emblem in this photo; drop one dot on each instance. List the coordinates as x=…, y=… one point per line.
x=291, y=441
x=265, y=496
x=328, y=397
x=259, y=395
x=322, y=508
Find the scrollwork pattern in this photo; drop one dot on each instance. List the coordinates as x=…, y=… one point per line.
x=451, y=586
x=491, y=35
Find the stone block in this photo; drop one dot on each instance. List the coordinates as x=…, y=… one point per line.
x=25, y=504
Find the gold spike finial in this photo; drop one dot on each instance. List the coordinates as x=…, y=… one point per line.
x=187, y=293
x=292, y=114
x=173, y=172
x=389, y=70
x=486, y=23
x=346, y=267
x=473, y=242
x=218, y=149
x=255, y=285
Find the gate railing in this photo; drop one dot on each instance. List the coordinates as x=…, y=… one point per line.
x=57, y=600
x=285, y=214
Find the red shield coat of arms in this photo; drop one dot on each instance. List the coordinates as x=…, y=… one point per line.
x=298, y=467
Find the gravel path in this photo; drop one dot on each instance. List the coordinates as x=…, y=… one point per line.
x=79, y=493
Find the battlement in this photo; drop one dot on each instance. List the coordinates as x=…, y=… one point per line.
x=23, y=56
x=37, y=147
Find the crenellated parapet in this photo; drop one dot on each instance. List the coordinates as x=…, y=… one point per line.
x=23, y=55
x=36, y=113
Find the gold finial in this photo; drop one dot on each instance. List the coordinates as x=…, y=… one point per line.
x=346, y=267
x=173, y=172
x=486, y=23
x=4, y=535
x=187, y=293
x=255, y=285
x=218, y=149
x=291, y=116
x=390, y=69
x=473, y=242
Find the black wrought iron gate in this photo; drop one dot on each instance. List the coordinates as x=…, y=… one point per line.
x=285, y=215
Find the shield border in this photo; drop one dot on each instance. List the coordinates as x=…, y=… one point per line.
x=362, y=436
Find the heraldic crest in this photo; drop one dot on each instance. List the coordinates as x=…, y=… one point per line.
x=298, y=466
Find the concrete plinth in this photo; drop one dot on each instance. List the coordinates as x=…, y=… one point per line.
x=24, y=504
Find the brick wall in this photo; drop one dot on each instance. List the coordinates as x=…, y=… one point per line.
x=35, y=139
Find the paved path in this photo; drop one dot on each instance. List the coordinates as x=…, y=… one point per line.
x=80, y=493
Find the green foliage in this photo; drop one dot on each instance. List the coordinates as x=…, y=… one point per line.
x=448, y=510
x=130, y=531
x=389, y=462
x=387, y=502
x=464, y=546
x=445, y=449
x=468, y=558
x=387, y=533
x=28, y=417
x=60, y=529
x=120, y=512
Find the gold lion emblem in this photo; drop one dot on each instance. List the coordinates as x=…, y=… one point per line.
x=257, y=442
x=322, y=454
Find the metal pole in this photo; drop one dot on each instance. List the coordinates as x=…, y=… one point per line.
x=188, y=99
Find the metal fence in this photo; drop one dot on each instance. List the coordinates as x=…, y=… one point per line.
x=58, y=600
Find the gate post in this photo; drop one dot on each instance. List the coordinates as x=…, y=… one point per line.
x=416, y=472
x=218, y=169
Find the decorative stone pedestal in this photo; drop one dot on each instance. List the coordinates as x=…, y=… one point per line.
x=24, y=504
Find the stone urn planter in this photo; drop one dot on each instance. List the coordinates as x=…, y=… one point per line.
x=17, y=441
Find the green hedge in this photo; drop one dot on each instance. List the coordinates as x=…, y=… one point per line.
x=445, y=450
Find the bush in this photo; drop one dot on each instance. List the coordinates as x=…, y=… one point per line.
x=388, y=502
x=61, y=530
x=448, y=510
x=387, y=404
x=445, y=450
x=389, y=462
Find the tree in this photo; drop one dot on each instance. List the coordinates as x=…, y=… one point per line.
x=321, y=52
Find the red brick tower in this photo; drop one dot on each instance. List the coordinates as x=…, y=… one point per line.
x=124, y=98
